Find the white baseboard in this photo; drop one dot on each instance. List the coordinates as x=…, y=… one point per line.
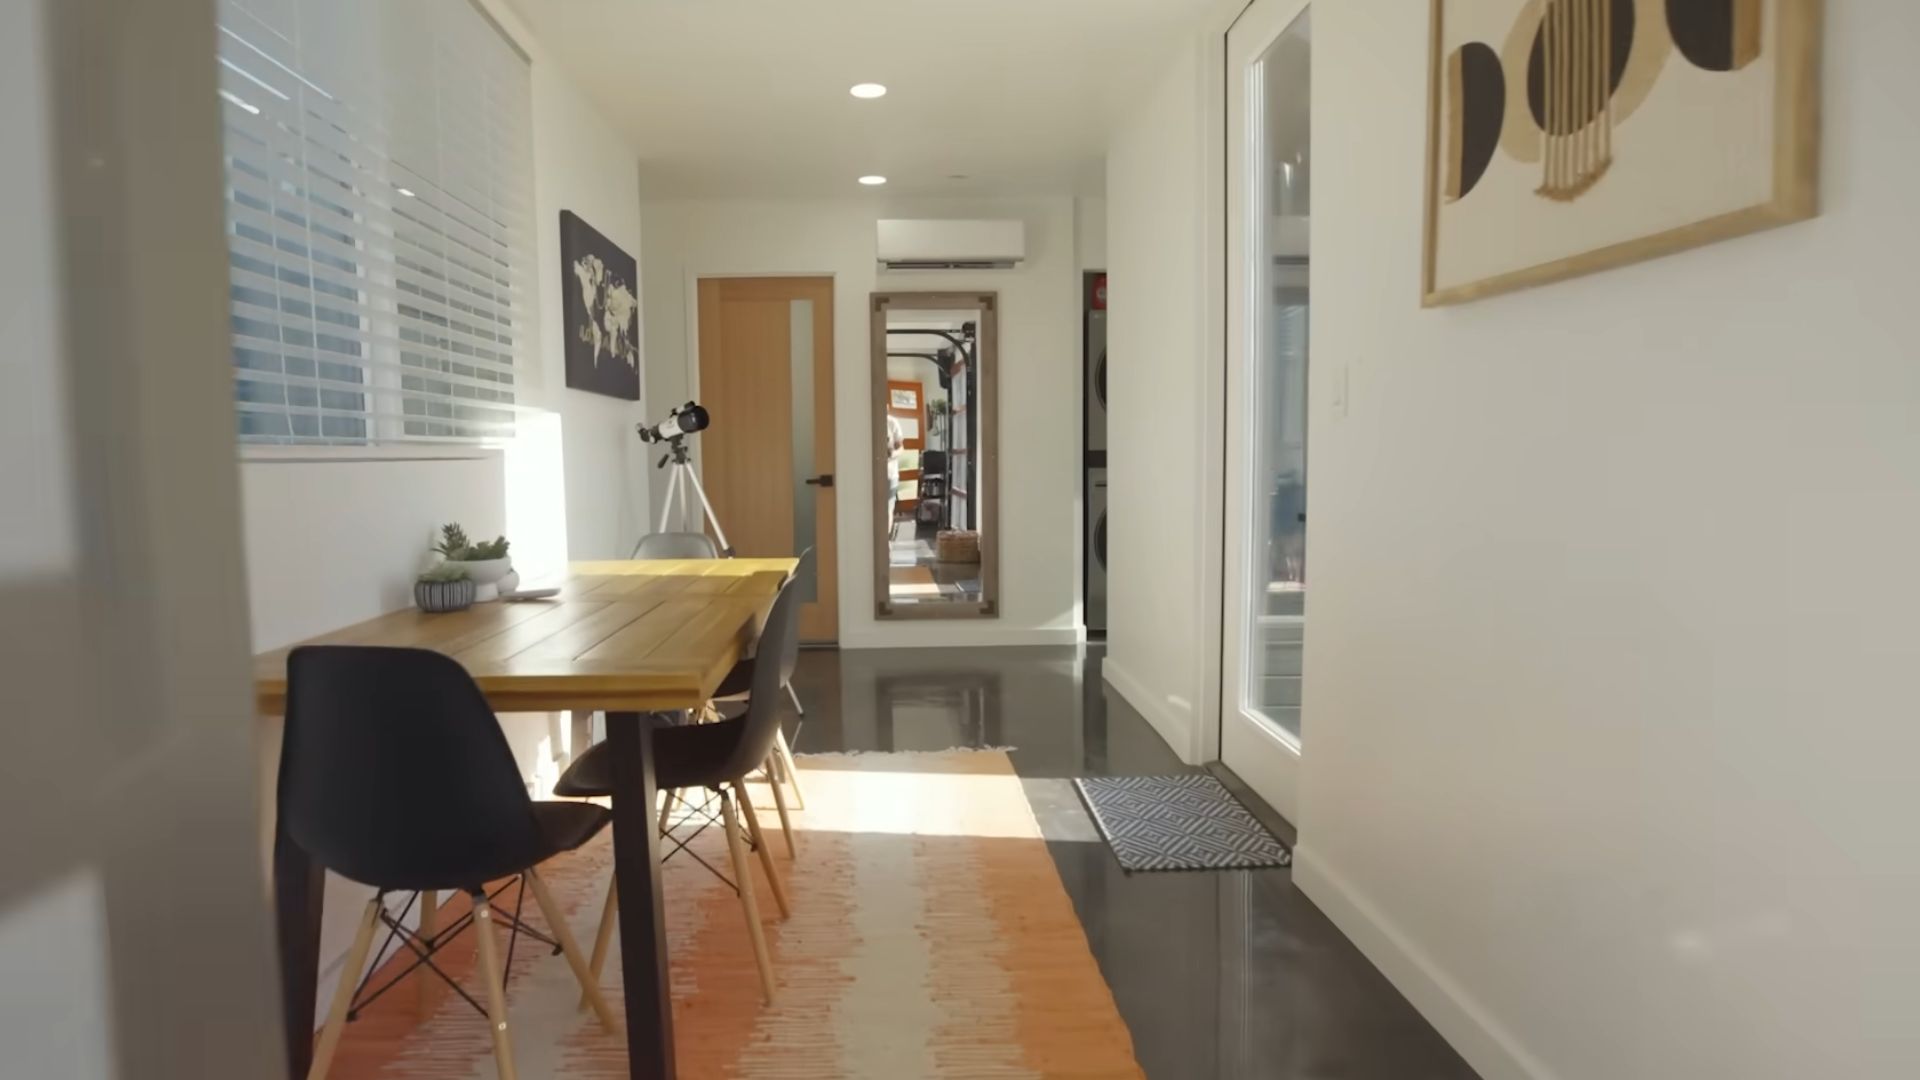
x=928, y=635
x=1172, y=724
x=1466, y=1024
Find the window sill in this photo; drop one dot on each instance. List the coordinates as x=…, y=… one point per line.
x=251, y=453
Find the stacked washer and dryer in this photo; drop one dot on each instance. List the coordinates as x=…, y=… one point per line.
x=1094, y=457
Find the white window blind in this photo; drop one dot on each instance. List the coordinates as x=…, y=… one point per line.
x=379, y=204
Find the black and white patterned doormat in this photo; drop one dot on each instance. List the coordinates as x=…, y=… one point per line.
x=1189, y=822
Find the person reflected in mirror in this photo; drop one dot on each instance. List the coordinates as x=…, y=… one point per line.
x=896, y=438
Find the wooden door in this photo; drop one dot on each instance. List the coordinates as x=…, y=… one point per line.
x=766, y=375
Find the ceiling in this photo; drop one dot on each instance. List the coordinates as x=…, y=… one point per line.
x=749, y=97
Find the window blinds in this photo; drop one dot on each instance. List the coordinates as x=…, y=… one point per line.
x=379, y=205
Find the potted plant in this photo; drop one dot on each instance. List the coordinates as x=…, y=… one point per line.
x=485, y=563
x=939, y=411
x=444, y=588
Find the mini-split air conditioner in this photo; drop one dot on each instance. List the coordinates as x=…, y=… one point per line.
x=952, y=245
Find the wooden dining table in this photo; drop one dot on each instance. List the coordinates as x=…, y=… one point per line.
x=631, y=639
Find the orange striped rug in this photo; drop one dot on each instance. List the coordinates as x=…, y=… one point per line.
x=930, y=938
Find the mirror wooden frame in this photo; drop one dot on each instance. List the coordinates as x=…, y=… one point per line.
x=988, y=305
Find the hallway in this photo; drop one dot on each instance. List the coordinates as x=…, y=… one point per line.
x=1220, y=975
x=1320, y=437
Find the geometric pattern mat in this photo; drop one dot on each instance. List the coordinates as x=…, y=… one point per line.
x=1187, y=822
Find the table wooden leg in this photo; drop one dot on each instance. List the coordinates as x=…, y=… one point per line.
x=299, y=892
x=636, y=872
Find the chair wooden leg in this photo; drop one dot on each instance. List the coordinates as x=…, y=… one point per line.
x=795, y=698
x=775, y=773
x=343, y=992
x=603, y=940
x=760, y=845
x=743, y=875
x=666, y=809
x=787, y=766
x=556, y=921
x=496, y=990
x=425, y=989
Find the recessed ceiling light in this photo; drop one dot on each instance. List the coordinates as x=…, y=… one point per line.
x=868, y=90
x=873, y=181
x=408, y=193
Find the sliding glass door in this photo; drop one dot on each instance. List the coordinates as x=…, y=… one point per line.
x=1269, y=187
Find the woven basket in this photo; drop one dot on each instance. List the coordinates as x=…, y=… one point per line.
x=958, y=545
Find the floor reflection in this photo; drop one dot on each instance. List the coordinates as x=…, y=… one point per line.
x=1228, y=975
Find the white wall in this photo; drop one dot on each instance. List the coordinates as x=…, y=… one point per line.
x=330, y=543
x=1039, y=381
x=1609, y=741
x=1155, y=340
x=583, y=164
x=1090, y=231
x=921, y=372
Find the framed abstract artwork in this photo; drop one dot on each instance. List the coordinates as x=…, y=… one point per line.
x=602, y=324
x=1570, y=136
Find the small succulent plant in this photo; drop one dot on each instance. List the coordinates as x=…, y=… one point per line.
x=445, y=572
x=455, y=546
x=453, y=541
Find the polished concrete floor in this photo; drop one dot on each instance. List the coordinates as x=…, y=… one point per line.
x=1218, y=974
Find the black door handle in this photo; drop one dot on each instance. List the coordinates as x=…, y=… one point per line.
x=823, y=480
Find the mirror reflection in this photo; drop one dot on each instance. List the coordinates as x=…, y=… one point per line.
x=933, y=425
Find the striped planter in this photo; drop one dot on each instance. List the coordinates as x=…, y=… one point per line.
x=438, y=596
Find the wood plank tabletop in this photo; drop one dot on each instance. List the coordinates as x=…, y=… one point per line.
x=631, y=636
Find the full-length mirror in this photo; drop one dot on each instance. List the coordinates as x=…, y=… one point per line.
x=934, y=435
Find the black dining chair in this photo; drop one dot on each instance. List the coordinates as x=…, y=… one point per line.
x=737, y=687
x=394, y=773
x=676, y=545
x=692, y=545
x=718, y=757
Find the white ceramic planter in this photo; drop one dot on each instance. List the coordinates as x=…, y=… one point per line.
x=485, y=575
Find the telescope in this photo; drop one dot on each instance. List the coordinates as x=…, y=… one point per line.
x=686, y=420
x=683, y=483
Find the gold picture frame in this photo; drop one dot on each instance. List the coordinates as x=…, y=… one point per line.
x=1592, y=80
